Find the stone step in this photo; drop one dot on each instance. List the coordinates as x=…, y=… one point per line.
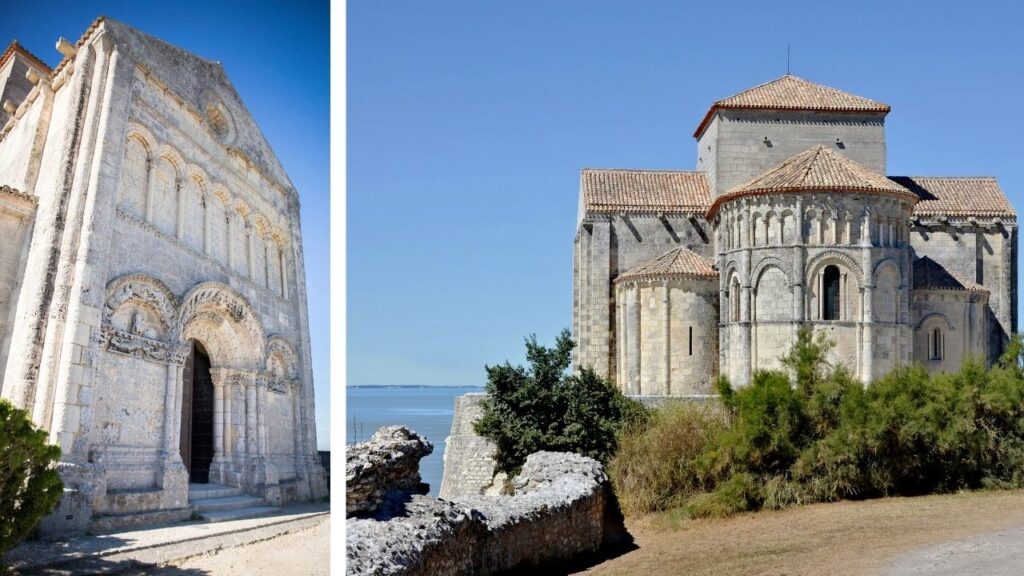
x=225, y=503
x=240, y=514
x=205, y=491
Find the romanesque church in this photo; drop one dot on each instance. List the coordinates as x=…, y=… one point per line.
x=790, y=219
x=152, y=288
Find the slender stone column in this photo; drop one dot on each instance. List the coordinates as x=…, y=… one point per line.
x=171, y=435
x=633, y=335
x=867, y=320
x=207, y=234
x=250, y=418
x=179, y=191
x=266, y=263
x=150, y=184
x=218, y=468
x=284, y=274
x=228, y=221
x=250, y=253
x=666, y=303
x=745, y=323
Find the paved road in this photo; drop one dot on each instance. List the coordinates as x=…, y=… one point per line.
x=998, y=553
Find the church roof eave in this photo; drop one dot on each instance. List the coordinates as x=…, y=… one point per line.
x=817, y=169
x=791, y=93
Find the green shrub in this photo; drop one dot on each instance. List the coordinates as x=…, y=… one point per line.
x=545, y=408
x=29, y=485
x=653, y=468
x=824, y=437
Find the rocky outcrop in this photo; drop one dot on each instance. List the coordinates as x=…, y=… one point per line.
x=389, y=462
x=561, y=507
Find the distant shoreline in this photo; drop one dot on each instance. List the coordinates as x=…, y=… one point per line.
x=412, y=386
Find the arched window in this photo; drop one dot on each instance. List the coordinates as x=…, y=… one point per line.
x=830, y=293
x=936, y=344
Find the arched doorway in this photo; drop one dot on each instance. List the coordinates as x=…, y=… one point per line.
x=197, y=415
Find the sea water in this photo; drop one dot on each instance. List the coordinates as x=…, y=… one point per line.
x=428, y=410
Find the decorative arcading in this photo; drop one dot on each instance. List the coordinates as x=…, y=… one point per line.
x=184, y=170
x=195, y=253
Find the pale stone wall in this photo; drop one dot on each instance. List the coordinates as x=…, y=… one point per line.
x=741, y=153
x=468, y=457
x=962, y=320
x=604, y=248
x=982, y=250
x=669, y=332
x=770, y=286
x=163, y=218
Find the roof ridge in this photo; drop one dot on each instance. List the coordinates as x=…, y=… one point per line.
x=752, y=88
x=662, y=170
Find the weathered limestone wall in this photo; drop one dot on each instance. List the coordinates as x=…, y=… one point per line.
x=17, y=211
x=163, y=218
x=562, y=507
x=773, y=253
x=468, y=458
x=981, y=250
x=603, y=249
x=963, y=321
x=673, y=324
x=741, y=153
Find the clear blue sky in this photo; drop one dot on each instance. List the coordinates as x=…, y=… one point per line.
x=469, y=121
x=277, y=55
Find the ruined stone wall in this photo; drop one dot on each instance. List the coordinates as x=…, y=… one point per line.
x=562, y=507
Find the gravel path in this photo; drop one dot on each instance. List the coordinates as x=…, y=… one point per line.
x=994, y=554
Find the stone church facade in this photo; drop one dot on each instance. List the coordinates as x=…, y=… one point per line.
x=788, y=220
x=152, y=287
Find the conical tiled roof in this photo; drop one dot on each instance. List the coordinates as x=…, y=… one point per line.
x=930, y=275
x=792, y=93
x=678, y=262
x=818, y=169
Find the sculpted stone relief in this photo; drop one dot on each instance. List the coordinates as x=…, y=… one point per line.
x=142, y=318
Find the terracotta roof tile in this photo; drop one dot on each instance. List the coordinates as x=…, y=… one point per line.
x=930, y=275
x=678, y=262
x=13, y=47
x=612, y=190
x=792, y=93
x=957, y=196
x=818, y=169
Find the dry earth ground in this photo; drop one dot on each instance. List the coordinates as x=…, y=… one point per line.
x=304, y=553
x=837, y=538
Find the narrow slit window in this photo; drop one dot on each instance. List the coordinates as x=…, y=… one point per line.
x=691, y=341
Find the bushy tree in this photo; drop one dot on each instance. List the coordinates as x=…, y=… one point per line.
x=543, y=407
x=29, y=484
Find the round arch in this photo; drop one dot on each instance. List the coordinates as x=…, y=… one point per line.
x=226, y=324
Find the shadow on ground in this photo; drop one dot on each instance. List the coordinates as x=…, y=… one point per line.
x=104, y=566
